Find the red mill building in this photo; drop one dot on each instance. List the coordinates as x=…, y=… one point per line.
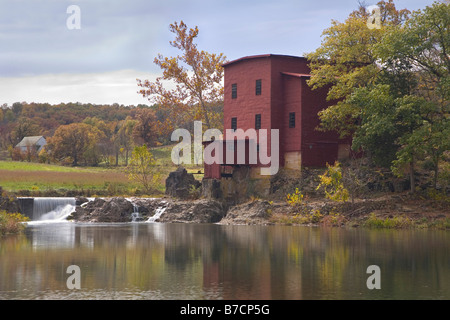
x=270, y=92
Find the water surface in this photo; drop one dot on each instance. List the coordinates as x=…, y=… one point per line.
x=208, y=261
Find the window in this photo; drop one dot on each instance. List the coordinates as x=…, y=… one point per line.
x=258, y=87
x=234, y=91
x=291, y=119
x=233, y=123
x=257, y=121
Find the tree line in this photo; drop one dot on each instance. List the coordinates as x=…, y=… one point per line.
x=80, y=134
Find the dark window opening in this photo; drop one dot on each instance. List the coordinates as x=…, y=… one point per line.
x=258, y=87
x=234, y=91
x=257, y=121
x=291, y=119
x=234, y=123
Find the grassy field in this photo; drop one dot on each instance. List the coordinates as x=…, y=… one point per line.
x=35, y=178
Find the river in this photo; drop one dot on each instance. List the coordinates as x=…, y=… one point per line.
x=210, y=261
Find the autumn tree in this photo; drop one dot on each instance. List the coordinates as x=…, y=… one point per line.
x=197, y=77
x=24, y=128
x=144, y=130
x=345, y=61
x=17, y=108
x=105, y=146
x=142, y=169
x=399, y=116
x=124, y=137
x=75, y=142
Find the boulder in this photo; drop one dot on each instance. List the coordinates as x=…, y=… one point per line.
x=253, y=212
x=101, y=210
x=114, y=210
x=80, y=200
x=197, y=211
x=179, y=183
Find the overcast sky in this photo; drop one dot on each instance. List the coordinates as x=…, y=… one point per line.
x=42, y=60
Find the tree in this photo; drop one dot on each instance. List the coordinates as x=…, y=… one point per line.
x=142, y=168
x=391, y=85
x=24, y=128
x=105, y=145
x=421, y=51
x=345, y=61
x=75, y=142
x=386, y=123
x=405, y=116
x=124, y=137
x=144, y=130
x=17, y=108
x=197, y=76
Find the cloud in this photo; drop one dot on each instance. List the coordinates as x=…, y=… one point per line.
x=42, y=60
x=97, y=88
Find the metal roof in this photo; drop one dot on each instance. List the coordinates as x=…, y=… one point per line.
x=269, y=55
x=29, y=141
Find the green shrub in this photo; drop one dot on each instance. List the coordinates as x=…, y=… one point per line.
x=11, y=222
x=295, y=199
x=388, y=223
x=331, y=182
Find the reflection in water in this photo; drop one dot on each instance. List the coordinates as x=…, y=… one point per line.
x=202, y=261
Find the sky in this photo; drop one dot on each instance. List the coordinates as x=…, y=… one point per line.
x=44, y=59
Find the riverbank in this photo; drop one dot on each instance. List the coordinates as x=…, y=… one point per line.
x=397, y=211
x=382, y=210
x=392, y=211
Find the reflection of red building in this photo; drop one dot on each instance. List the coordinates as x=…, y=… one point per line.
x=270, y=92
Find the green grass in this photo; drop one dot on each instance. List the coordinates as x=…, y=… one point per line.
x=26, y=177
x=31, y=166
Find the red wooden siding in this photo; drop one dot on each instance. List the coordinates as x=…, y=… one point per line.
x=283, y=90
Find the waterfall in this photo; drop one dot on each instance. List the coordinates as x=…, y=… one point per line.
x=135, y=215
x=52, y=208
x=157, y=214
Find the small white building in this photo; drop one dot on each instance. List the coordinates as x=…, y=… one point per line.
x=36, y=142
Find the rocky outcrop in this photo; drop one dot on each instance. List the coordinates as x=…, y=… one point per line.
x=168, y=210
x=179, y=183
x=196, y=211
x=254, y=212
x=101, y=210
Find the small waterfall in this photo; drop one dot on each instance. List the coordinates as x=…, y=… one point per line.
x=157, y=214
x=57, y=215
x=135, y=215
x=52, y=208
